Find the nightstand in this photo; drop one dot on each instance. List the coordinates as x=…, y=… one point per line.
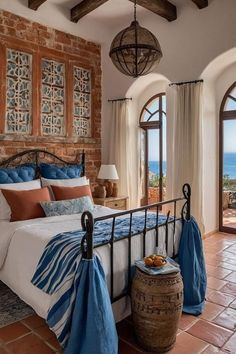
x=113, y=202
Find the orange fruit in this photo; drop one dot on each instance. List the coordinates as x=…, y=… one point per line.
x=158, y=262
x=148, y=261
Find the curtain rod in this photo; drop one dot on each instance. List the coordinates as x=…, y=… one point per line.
x=120, y=99
x=185, y=82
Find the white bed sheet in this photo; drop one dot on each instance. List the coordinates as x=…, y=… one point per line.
x=22, y=244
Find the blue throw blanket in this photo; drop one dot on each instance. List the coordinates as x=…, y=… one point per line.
x=60, y=274
x=192, y=265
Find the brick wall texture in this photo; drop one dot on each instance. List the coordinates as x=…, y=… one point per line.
x=21, y=33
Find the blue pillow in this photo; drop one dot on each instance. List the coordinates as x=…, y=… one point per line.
x=21, y=173
x=67, y=207
x=60, y=172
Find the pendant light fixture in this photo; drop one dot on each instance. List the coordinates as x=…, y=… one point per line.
x=135, y=51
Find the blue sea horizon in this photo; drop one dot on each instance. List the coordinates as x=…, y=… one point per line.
x=229, y=165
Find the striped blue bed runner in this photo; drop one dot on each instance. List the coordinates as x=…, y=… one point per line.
x=59, y=268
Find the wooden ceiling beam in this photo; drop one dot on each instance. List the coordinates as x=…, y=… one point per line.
x=84, y=8
x=163, y=8
x=34, y=4
x=201, y=3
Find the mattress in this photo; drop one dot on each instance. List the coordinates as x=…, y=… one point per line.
x=22, y=244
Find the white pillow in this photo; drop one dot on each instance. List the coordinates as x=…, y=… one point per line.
x=70, y=182
x=5, y=211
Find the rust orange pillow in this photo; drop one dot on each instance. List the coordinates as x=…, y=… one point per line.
x=64, y=193
x=26, y=204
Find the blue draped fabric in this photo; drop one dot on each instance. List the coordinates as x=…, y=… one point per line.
x=192, y=265
x=93, y=327
x=80, y=314
x=59, y=260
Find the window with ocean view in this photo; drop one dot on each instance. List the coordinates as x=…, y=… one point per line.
x=153, y=122
x=228, y=160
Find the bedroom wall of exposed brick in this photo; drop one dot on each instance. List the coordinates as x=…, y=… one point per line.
x=20, y=33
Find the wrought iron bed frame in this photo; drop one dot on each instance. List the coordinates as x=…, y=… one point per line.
x=87, y=221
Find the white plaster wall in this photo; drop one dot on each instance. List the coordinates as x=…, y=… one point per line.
x=189, y=44
x=218, y=77
x=223, y=83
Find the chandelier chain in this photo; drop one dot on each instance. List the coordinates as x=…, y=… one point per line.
x=135, y=10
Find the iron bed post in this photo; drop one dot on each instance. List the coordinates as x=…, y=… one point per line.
x=144, y=234
x=186, y=210
x=174, y=216
x=167, y=231
x=129, y=254
x=87, y=223
x=157, y=227
x=111, y=258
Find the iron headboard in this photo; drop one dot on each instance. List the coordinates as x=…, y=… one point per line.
x=39, y=155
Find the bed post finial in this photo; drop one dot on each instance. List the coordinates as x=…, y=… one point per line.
x=87, y=241
x=186, y=210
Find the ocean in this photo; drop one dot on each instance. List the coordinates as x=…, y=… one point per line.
x=229, y=165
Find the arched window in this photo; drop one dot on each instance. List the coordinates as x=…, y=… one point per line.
x=228, y=161
x=153, y=123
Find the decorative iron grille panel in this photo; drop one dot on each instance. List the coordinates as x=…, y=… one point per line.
x=82, y=102
x=18, y=92
x=53, y=98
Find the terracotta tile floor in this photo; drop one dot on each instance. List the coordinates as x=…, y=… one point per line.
x=212, y=332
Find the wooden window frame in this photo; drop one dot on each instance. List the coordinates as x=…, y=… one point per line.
x=224, y=115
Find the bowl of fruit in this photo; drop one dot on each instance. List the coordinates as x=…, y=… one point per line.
x=155, y=261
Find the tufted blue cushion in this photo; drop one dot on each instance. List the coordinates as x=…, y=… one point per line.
x=60, y=172
x=22, y=173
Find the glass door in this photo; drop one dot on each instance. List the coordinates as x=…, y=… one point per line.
x=154, y=166
x=228, y=163
x=153, y=151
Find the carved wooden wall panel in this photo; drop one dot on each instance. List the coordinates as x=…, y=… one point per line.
x=18, y=119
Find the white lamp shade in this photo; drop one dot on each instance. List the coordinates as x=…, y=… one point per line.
x=108, y=172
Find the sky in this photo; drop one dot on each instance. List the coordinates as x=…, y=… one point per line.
x=230, y=135
x=154, y=143
x=230, y=125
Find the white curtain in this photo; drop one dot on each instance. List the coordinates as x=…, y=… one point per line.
x=184, y=143
x=123, y=150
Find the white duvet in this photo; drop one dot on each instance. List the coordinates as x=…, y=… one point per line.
x=22, y=244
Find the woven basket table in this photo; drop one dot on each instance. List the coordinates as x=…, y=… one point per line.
x=156, y=302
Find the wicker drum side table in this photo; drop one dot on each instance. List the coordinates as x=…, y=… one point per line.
x=157, y=302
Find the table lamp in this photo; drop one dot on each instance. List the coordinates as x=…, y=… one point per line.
x=107, y=173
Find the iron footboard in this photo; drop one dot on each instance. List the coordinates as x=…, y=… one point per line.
x=87, y=221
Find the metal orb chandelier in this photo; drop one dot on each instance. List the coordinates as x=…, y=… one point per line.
x=135, y=51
